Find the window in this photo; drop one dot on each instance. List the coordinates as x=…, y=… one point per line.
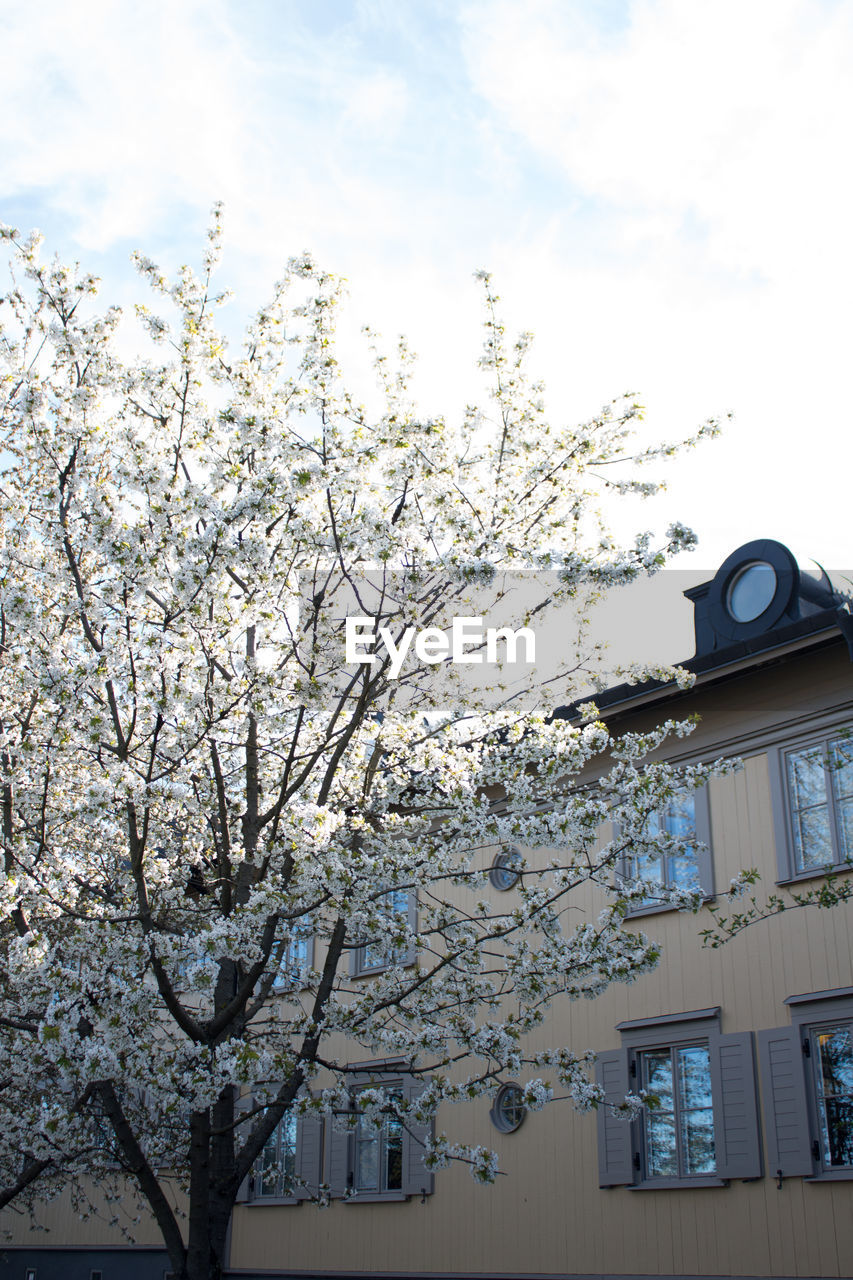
x=379, y=1161
x=702, y=1128
x=397, y=922
x=275, y=1169
x=288, y=1169
x=378, y=1153
x=678, y=1135
x=296, y=960
x=508, y=1111
x=505, y=869
x=686, y=826
x=807, y=1078
x=816, y=820
x=832, y=1054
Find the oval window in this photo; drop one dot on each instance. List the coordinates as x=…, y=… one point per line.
x=508, y=1110
x=751, y=591
x=506, y=869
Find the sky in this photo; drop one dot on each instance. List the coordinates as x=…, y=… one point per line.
x=662, y=191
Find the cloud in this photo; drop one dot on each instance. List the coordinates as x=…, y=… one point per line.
x=727, y=122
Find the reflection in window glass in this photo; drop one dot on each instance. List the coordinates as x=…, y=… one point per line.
x=505, y=869
x=679, y=1131
x=509, y=1109
x=295, y=962
x=834, y=1060
x=676, y=869
x=841, y=770
x=276, y=1166
x=378, y=1164
x=395, y=905
x=820, y=795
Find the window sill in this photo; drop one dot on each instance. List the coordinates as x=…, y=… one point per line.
x=276, y=1202
x=656, y=909
x=815, y=873
x=378, y=1197
x=831, y=1175
x=677, y=1184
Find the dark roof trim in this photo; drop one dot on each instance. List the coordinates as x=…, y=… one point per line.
x=816, y=628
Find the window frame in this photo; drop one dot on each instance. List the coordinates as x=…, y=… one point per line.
x=309, y=1145
x=821, y=736
x=502, y=865
x=379, y=1135
x=813, y=1012
x=496, y=1114
x=645, y=1035
x=621, y=1143
x=705, y=860
x=256, y=1175
x=361, y=967
x=340, y=1143
x=289, y=976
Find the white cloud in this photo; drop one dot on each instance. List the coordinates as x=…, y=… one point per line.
x=731, y=119
x=665, y=200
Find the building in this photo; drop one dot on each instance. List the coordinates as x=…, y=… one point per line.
x=745, y=1168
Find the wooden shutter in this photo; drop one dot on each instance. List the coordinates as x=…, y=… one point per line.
x=417, y=1179
x=243, y=1104
x=786, y=1114
x=309, y=1155
x=702, y=810
x=736, y=1140
x=337, y=1158
x=615, y=1148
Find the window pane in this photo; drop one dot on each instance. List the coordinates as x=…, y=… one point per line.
x=697, y=1140
x=659, y=1077
x=695, y=1109
x=835, y=1094
x=395, y=905
x=812, y=838
x=683, y=869
x=806, y=778
x=694, y=1076
x=393, y=1156
x=367, y=1162
x=841, y=768
x=680, y=817
x=661, y=1153
x=278, y=1161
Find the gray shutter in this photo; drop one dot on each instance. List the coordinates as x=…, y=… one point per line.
x=243, y=1104
x=702, y=809
x=786, y=1114
x=615, y=1148
x=338, y=1170
x=309, y=1155
x=417, y=1179
x=412, y=921
x=738, y=1149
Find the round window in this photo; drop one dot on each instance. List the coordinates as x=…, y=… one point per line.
x=506, y=868
x=751, y=591
x=508, y=1110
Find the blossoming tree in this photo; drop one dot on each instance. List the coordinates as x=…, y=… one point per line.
x=195, y=780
